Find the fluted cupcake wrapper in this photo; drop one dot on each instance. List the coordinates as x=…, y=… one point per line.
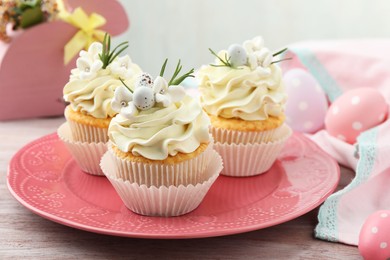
x=88, y=133
x=86, y=155
x=229, y=136
x=158, y=174
x=242, y=160
x=164, y=201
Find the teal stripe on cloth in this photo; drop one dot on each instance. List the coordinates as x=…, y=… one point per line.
x=315, y=67
x=327, y=228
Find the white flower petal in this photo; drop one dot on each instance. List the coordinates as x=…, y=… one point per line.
x=96, y=65
x=160, y=84
x=268, y=60
x=252, y=60
x=87, y=75
x=264, y=57
x=83, y=64
x=84, y=54
x=129, y=112
x=123, y=94
x=254, y=45
x=165, y=100
x=258, y=42
x=116, y=105
x=94, y=48
x=124, y=60
x=249, y=46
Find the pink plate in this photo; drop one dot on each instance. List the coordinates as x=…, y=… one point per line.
x=45, y=179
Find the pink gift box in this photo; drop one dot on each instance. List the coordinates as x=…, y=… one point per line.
x=32, y=70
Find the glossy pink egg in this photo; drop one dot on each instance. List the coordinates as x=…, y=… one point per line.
x=306, y=103
x=355, y=111
x=374, y=238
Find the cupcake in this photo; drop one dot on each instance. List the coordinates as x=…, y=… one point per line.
x=91, y=88
x=160, y=158
x=243, y=95
x=89, y=92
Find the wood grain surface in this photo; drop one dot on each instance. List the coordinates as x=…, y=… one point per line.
x=25, y=235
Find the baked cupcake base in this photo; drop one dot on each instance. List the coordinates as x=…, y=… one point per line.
x=182, y=169
x=87, y=155
x=163, y=200
x=242, y=160
x=86, y=128
x=235, y=130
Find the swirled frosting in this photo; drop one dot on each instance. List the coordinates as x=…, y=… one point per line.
x=159, y=132
x=93, y=96
x=249, y=94
x=91, y=86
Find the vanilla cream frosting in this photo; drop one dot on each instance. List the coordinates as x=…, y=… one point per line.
x=93, y=96
x=161, y=131
x=249, y=94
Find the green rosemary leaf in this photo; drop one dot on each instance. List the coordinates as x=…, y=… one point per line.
x=114, y=50
x=107, y=56
x=163, y=67
x=108, y=45
x=180, y=79
x=225, y=62
x=125, y=85
x=217, y=65
x=216, y=55
x=116, y=54
x=177, y=71
x=279, y=52
x=276, y=61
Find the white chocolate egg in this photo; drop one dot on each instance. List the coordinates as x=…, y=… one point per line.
x=143, y=98
x=237, y=55
x=355, y=111
x=306, y=104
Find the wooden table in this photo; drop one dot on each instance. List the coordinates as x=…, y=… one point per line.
x=24, y=235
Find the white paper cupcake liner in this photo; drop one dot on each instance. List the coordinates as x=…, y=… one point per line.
x=158, y=174
x=166, y=201
x=86, y=155
x=245, y=137
x=242, y=160
x=88, y=133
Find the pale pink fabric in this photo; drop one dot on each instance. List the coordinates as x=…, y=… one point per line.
x=351, y=63
x=340, y=66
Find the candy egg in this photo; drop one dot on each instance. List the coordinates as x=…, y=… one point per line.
x=374, y=239
x=237, y=55
x=355, y=111
x=144, y=80
x=143, y=98
x=306, y=104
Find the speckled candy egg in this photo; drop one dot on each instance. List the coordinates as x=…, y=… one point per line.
x=143, y=98
x=355, y=111
x=237, y=55
x=374, y=238
x=306, y=103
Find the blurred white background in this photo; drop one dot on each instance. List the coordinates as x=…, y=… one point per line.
x=185, y=29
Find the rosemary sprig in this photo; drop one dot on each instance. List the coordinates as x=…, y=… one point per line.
x=276, y=61
x=225, y=62
x=280, y=52
x=175, y=80
x=124, y=84
x=163, y=67
x=107, y=56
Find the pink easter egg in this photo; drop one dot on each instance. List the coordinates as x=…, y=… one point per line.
x=355, y=111
x=374, y=238
x=306, y=104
